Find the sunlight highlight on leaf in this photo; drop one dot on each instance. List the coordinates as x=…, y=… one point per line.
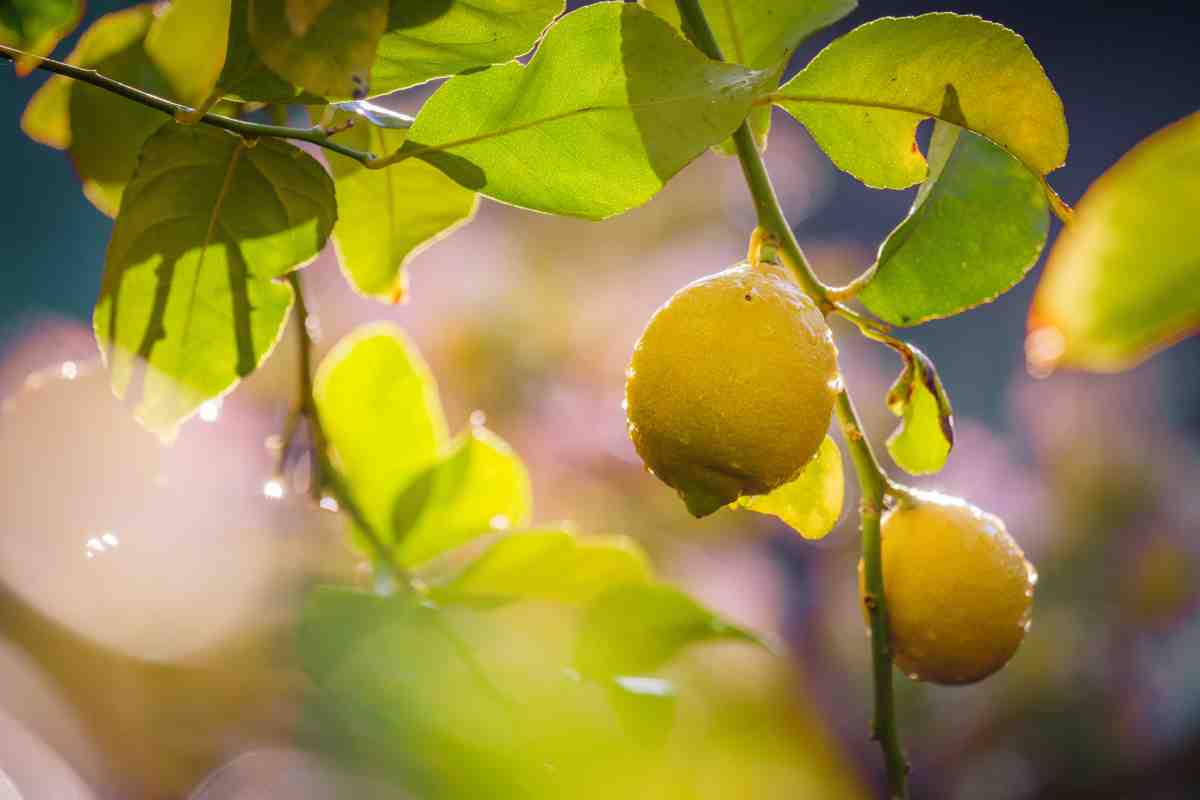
x=811, y=504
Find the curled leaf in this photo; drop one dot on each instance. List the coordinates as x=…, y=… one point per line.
x=922, y=442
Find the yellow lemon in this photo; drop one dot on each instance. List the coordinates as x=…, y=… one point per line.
x=959, y=590
x=731, y=386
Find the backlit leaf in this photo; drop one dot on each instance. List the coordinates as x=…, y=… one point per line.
x=390, y=215
x=429, y=39
x=812, y=503
x=611, y=106
x=36, y=26
x=1123, y=280
x=188, y=41
x=862, y=96
x=479, y=486
x=190, y=303
x=554, y=565
x=922, y=442
x=332, y=57
x=301, y=14
x=977, y=226
x=636, y=628
x=245, y=76
x=380, y=410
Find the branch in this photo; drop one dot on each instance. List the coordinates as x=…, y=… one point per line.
x=871, y=478
x=179, y=112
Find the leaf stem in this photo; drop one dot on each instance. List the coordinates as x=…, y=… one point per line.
x=177, y=111
x=873, y=482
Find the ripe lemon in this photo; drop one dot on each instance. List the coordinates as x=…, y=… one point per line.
x=959, y=590
x=731, y=386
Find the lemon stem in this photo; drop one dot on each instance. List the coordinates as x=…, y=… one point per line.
x=872, y=480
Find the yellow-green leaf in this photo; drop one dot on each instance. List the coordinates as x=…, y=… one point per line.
x=390, y=215
x=190, y=302
x=380, y=411
x=811, y=504
x=1123, y=280
x=301, y=14
x=333, y=55
x=36, y=26
x=245, y=76
x=481, y=485
x=862, y=96
x=188, y=41
x=922, y=442
x=552, y=565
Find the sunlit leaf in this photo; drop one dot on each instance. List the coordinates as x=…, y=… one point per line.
x=977, y=226
x=553, y=565
x=611, y=106
x=922, y=442
x=390, y=215
x=862, y=96
x=189, y=303
x=380, y=410
x=429, y=39
x=636, y=628
x=479, y=486
x=188, y=41
x=812, y=503
x=103, y=131
x=245, y=76
x=333, y=55
x=1123, y=279
x=36, y=26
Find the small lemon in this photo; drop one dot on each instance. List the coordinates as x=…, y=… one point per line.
x=959, y=590
x=731, y=386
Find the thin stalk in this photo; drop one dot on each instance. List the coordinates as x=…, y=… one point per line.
x=871, y=478
x=315, y=135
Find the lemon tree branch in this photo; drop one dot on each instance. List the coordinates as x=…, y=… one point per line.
x=871, y=478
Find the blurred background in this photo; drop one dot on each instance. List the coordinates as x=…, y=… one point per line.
x=145, y=593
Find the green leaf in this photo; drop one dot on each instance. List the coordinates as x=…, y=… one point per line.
x=245, y=76
x=189, y=303
x=380, y=411
x=977, y=226
x=862, y=96
x=553, y=565
x=301, y=14
x=480, y=486
x=1123, y=280
x=812, y=503
x=922, y=442
x=760, y=34
x=390, y=215
x=611, y=106
x=636, y=628
x=36, y=26
x=333, y=55
x=188, y=41
x=103, y=131
x=429, y=39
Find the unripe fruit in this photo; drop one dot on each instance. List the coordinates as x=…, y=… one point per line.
x=732, y=386
x=958, y=588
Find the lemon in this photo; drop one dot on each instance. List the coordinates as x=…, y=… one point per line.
x=731, y=386
x=958, y=588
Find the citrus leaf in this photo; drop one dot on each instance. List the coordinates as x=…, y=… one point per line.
x=301, y=14
x=390, y=215
x=760, y=34
x=380, y=411
x=812, y=503
x=922, y=442
x=977, y=226
x=480, y=485
x=188, y=41
x=862, y=96
x=104, y=132
x=245, y=76
x=1123, y=280
x=636, y=628
x=189, y=303
x=333, y=55
x=611, y=106
x=554, y=565
x=429, y=39
x=36, y=26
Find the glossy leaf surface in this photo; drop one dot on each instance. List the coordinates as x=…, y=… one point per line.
x=190, y=303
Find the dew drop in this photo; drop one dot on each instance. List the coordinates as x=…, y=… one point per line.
x=836, y=384
x=500, y=522
x=210, y=411
x=69, y=370
x=312, y=325
x=273, y=489
x=329, y=504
